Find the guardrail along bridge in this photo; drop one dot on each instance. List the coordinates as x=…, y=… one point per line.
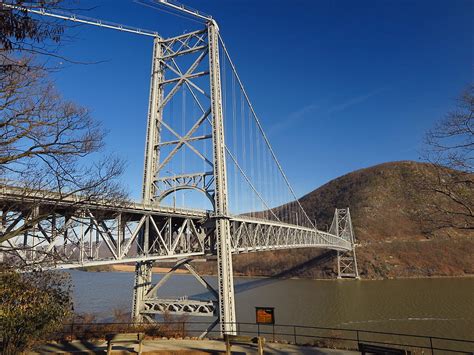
x=212, y=187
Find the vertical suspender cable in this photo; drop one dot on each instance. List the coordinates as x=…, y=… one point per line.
x=259, y=167
x=234, y=138
x=244, y=152
x=266, y=178
x=183, y=156
x=261, y=128
x=172, y=118
x=272, y=181
x=252, y=160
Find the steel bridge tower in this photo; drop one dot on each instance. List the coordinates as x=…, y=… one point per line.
x=346, y=260
x=212, y=183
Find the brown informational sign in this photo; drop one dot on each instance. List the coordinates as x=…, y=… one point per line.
x=265, y=315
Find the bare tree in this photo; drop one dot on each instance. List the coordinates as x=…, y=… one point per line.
x=450, y=150
x=451, y=142
x=49, y=146
x=22, y=34
x=50, y=157
x=43, y=138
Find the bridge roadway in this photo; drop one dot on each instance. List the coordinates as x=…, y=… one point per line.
x=41, y=227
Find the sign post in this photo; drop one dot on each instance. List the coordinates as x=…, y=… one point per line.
x=265, y=315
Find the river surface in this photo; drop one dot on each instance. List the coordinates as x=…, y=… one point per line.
x=439, y=307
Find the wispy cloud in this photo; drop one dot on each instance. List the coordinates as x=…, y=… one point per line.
x=294, y=117
x=298, y=114
x=355, y=100
x=310, y=110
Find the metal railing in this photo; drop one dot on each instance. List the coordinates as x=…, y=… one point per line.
x=342, y=338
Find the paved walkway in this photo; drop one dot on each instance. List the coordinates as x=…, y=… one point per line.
x=188, y=347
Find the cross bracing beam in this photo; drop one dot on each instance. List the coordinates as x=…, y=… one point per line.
x=180, y=307
x=167, y=142
x=152, y=304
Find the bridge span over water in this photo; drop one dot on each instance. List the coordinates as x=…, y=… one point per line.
x=214, y=146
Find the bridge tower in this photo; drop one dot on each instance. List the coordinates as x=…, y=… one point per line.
x=346, y=260
x=168, y=77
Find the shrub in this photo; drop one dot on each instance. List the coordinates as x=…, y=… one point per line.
x=32, y=305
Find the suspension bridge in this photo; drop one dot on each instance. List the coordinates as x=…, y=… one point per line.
x=212, y=187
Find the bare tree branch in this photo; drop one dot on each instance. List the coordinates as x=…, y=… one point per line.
x=450, y=151
x=49, y=146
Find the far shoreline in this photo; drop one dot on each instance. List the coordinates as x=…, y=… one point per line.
x=165, y=270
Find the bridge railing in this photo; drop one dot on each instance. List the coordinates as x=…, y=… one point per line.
x=324, y=337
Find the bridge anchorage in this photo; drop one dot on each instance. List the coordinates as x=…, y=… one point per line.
x=209, y=144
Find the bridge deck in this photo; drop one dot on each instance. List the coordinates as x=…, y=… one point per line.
x=40, y=227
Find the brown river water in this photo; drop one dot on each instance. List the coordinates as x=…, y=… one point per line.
x=441, y=307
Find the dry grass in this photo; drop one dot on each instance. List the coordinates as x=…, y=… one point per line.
x=83, y=327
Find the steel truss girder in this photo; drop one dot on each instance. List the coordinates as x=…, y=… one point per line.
x=70, y=235
x=250, y=235
x=80, y=235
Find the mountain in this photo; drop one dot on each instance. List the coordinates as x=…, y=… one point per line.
x=390, y=208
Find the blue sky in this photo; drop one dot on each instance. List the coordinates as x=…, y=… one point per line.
x=339, y=85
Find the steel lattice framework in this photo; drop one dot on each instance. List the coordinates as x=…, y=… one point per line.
x=346, y=259
x=49, y=230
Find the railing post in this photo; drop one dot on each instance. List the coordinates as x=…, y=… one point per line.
x=431, y=346
x=258, y=329
x=294, y=333
x=357, y=332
